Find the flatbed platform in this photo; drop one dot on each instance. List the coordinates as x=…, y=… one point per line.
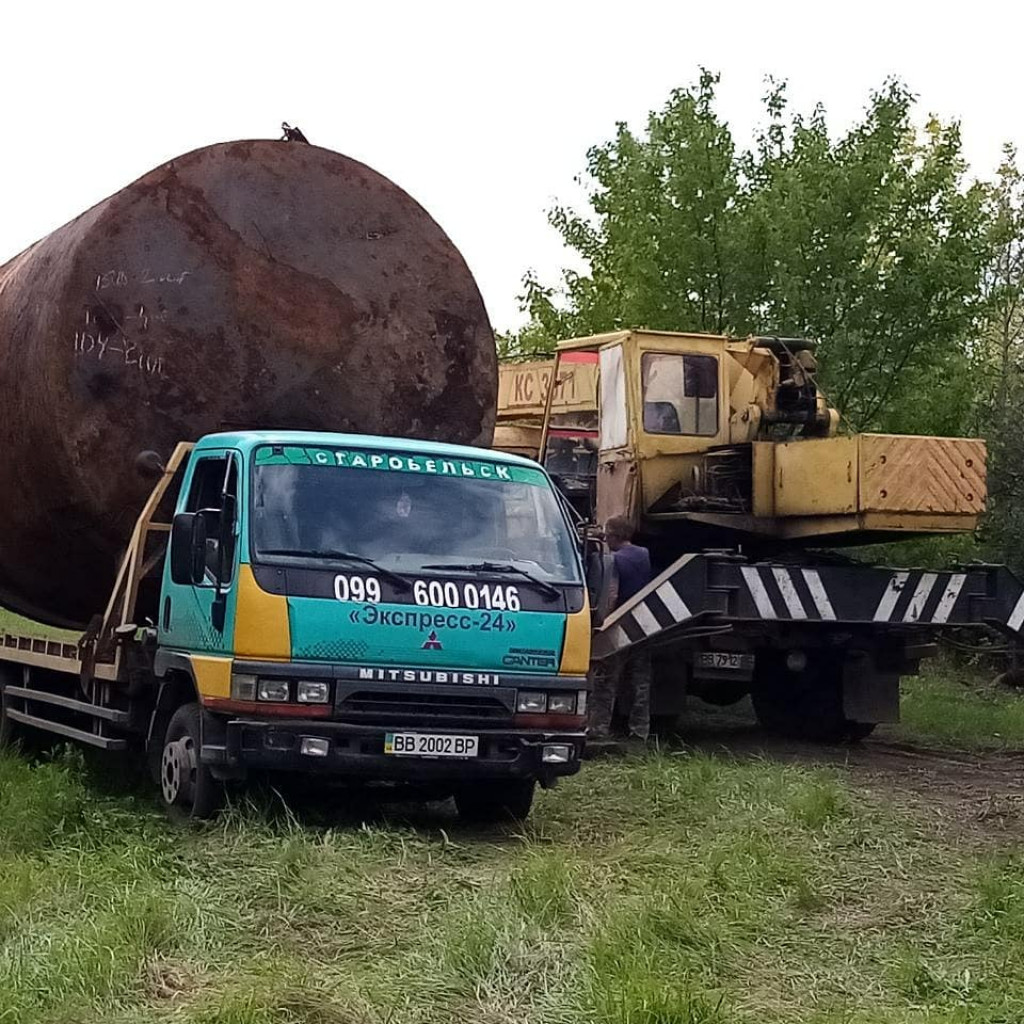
x=32, y=643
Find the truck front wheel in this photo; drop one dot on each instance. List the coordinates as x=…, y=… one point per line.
x=188, y=788
x=497, y=801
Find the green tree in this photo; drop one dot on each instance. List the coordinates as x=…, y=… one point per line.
x=873, y=243
x=1001, y=359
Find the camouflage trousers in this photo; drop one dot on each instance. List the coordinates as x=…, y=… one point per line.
x=622, y=675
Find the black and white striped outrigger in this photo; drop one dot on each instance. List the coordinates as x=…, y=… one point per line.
x=721, y=587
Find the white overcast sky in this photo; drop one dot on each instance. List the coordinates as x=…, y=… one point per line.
x=482, y=111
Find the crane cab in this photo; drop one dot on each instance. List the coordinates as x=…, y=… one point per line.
x=735, y=438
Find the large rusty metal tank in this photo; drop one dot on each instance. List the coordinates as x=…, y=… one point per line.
x=249, y=284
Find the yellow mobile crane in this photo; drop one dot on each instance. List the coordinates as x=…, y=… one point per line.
x=729, y=461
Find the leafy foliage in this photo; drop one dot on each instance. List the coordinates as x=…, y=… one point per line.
x=1001, y=356
x=873, y=243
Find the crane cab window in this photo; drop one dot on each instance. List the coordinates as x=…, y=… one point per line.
x=613, y=399
x=680, y=394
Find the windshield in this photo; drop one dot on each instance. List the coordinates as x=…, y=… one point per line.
x=408, y=511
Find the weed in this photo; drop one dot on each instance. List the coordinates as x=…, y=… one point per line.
x=998, y=905
x=470, y=942
x=541, y=886
x=629, y=983
x=275, y=1000
x=817, y=803
x=39, y=803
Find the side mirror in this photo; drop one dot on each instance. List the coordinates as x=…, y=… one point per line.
x=188, y=549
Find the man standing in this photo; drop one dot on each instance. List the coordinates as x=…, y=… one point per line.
x=630, y=670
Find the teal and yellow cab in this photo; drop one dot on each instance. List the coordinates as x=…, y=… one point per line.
x=376, y=608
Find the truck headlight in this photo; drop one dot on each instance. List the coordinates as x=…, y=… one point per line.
x=312, y=691
x=532, y=701
x=273, y=689
x=556, y=753
x=562, y=704
x=243, y=686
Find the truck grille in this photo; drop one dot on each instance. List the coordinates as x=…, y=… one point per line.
x=409, y=706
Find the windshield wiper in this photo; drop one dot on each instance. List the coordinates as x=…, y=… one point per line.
x=342, y=556
x=545, y=588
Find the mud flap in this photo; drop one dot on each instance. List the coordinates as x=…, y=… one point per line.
x=869, y=694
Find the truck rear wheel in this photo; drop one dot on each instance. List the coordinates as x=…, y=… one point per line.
x=493, y=802
x=188, y=788
x=805, y=705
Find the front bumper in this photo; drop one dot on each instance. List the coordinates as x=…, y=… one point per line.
x=233, y=747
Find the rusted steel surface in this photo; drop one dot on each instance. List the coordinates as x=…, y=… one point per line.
x=249, y=284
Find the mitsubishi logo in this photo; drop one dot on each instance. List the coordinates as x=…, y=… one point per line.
x=432, y=643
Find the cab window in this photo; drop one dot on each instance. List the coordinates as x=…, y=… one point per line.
x=680, y=394
x=613, y=398
x=214, y=478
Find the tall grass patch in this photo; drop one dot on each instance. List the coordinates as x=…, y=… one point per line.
x=653, y=964
x=682, y=887
x=959, y=707
x=39, y=803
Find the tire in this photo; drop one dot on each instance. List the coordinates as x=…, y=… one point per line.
x=487, y=803
x=857, y=731
x=722, y=696
x=188, y=789
x=804, y=705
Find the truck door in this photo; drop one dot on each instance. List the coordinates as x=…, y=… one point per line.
x=681, y=419
x=200, y=617
x=617, y=485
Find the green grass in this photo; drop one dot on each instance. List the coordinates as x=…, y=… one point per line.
x=11, y=623
x=684, y=888
x=949, y=705
x=679, y=889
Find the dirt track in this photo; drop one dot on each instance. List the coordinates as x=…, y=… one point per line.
x=978, y=795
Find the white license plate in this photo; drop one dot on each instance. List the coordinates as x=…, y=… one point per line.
x=728, y=661
x=430, y=744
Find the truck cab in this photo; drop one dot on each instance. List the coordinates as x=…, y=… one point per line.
x=720, y=441
x=345, y=605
